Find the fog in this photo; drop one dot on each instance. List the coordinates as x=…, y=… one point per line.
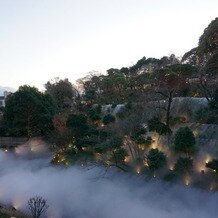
x=83, y=192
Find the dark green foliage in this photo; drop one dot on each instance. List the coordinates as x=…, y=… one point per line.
x=170, y=176
x=208, y=41
x=137, y=133
x=29, y=112
x=113, y=106
x=95, y=113
x=78, y=125
x=184, y=141
x=3, y=215
x=213, y=104
x=148, y=141
x=213, y=165
x=62, y=92
x=201, y=115
x=114, y=142
x=183, y=165
x=211, y=67
x=156, y=159
x=156, y=125
x=109, y=118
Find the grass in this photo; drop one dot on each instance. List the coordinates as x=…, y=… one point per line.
x=3, y=215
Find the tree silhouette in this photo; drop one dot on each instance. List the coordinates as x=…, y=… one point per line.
x=37, y=206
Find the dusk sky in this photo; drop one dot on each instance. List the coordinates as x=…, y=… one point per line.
x=43, y=39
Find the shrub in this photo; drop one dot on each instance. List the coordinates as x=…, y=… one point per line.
x=109, y=118
x=155, y=159
x=184, y=141
x=183, y=165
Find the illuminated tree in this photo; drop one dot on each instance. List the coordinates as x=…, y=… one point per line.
x=155, y=159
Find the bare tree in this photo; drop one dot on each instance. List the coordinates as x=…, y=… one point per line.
x=37, y=206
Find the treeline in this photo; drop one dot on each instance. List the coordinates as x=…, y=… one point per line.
x=82, y=128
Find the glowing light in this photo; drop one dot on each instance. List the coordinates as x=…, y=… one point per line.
x=208, y=159
x=6, y=150
x=171, y=167
x=138, y=171
x=17, y=204
x=154, y=144
x=211, y=187
x=145, y=163
x=196, y=133
x=127, y=159
x=187, y=180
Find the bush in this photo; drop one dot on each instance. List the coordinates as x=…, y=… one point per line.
x=184, y=141
x=170, y=177
x=156, y=125
x=109, y=118
x=155, y=159
x=201, y=115
x=183, y=165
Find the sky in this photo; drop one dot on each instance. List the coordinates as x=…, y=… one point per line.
x=43, y=39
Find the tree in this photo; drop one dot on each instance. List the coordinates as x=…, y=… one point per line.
x=207, y=51
x=29, y=112
x=208, y=43
x=156, y=125
x=183, y=165
x=37, y=206
x=184, y=141
x=62, y=92
x=112, y=152
x=78, y=127
x=155, y=159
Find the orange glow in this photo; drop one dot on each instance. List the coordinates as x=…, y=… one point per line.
x=138, y=171
x=127, y=159
x=187, y=180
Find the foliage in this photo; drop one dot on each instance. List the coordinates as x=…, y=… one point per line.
x=29, y=112
x=95, y=113
x=184, y=141
x=170, y=176
x=109, y=118
x=213, y=164
x=208, y=40
x=183, y=165
x=155, y=159
x=156, y=125
x=213, y=104
x=78, y=124
x=62, y=92
x=201, y=115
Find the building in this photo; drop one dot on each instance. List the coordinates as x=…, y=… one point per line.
x=2, y=99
